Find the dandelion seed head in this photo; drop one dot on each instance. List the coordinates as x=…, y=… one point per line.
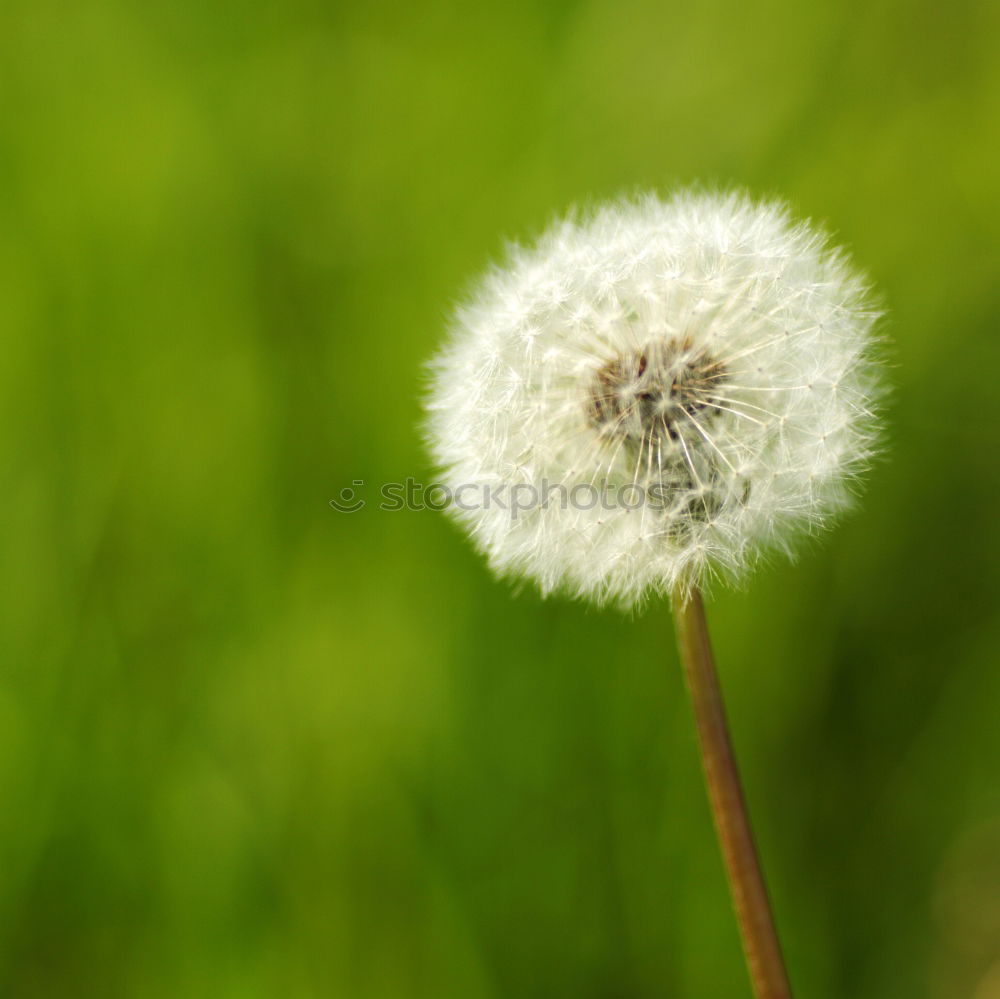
x=706, y=353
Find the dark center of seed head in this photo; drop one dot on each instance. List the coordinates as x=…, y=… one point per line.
x=648, y=394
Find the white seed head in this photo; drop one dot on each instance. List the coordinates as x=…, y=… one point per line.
x=684, y=384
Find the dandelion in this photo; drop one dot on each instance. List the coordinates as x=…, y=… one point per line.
x=681, y=387
x=705, y=352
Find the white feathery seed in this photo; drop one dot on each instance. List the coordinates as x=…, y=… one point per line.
x=685, y=385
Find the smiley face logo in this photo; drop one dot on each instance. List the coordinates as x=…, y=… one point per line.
x=348, y=501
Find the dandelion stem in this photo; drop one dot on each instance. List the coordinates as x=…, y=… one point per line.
x=732, y=823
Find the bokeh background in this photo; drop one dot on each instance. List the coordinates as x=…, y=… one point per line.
x=253, y=747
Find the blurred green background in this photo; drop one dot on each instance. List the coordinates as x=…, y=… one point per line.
x=250, y=746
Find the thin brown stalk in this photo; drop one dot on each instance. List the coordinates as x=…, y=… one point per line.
x=729, y=810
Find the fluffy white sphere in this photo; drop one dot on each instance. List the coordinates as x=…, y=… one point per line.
x=662, y=391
